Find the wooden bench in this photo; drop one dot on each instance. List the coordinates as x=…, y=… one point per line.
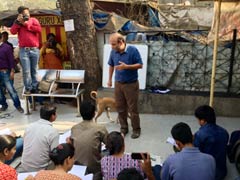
x=73, y=77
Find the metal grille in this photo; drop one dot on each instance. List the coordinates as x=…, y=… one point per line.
x=188, y=66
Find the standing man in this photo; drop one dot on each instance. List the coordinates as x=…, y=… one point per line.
x=16, y=59
x=212, y=139
x=125, y=61
x=28, y=30
x=6, y=76
x=5, y=40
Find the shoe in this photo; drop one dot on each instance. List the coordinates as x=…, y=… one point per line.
x=124, y=131
x=135, y=134
x=34, y=91
x=20, y=109
x=27, y=92
x=3, y=108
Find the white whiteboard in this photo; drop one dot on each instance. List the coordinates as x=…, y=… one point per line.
x=143, y=50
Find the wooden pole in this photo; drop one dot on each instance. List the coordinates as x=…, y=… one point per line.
x=217, y=16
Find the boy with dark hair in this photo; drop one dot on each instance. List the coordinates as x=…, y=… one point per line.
x=87, y=111
x=129, y=174
x=212, y=139
x=47, y=111
x=39, y=139
x=182, y=132
x=189, y=163
x=87, y=137
x=207, y=113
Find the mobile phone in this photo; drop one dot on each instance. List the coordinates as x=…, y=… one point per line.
x=138, y=155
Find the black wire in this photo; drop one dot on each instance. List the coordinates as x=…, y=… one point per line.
x=7, y=115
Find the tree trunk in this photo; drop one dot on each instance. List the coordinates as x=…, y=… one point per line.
x=82, y=42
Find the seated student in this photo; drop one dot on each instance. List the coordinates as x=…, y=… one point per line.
x=87, y=137
x=111, y=165
x=7, y=150
x=62, y=157
x=19, y=148
x=189, y=163
x=130, y=174
x=19, y=144
x=212, y=139
x=39, y=139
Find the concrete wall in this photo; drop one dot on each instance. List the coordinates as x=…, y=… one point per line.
x=185, y=103
x=186, y=66
x=181, y=104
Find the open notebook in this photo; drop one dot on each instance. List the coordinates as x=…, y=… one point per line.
x=64, y=136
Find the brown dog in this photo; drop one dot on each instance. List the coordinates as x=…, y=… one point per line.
x=103, y=104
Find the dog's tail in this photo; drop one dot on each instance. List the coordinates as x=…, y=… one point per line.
x=93, y=95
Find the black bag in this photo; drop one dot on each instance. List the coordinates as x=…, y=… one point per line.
x=237, y=157
x=44, y=86
x=233, y=145
x=47, y=80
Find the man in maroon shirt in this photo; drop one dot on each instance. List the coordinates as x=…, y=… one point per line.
x=6, y=75
x=28, y=30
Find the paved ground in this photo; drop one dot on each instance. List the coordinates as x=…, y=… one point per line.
x=155, y=127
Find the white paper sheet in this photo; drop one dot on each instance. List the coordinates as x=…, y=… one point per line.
x=68, y=25
x=64, y=136
x=87, y=177
x=76, y=170
x=170, y=140
x=23, y=176
x=5, y=131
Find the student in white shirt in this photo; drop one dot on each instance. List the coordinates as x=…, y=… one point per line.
x=39, y=139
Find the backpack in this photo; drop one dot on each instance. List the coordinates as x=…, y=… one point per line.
x=233, y=149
